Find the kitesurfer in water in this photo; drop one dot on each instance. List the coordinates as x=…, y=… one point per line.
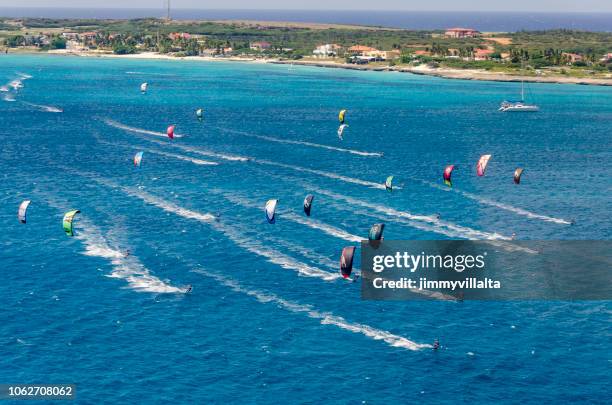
x=127, y=253
x=188, y=289
x=436, y=344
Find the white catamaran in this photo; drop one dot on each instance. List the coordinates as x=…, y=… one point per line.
x=519, y=106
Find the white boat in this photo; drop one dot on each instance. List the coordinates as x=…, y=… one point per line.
x=519, y=106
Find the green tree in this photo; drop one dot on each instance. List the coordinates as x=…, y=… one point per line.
x=192, y=48
x=121, y=49
x=15, y=40
x=58, y=43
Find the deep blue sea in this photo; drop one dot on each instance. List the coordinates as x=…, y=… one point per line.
x=417, y=20
x=269, y=320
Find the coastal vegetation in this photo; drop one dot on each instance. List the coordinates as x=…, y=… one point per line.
x=566, y=52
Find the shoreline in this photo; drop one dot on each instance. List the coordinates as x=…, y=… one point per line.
x=446, y=73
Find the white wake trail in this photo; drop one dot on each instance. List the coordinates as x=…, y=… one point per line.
x=182, y=157
x=127, y=268
x=231, y=233
x=169, y=206
x=309, y=254
x=329, y=175
x=162, y=153
x=435, y=225
x=311, y=222
x=328, y=229
x=304, y=143
x=45, y=108
x=203, y=152
x=325, y=318
x=418, y=221
x=165, y=205
x=347, y=179
x=128, y=128
x=506, y=207
x=273, y=256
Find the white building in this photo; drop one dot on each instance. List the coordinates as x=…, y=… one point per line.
x=326, y=51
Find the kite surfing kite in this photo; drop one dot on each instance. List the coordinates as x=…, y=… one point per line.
x=23, y=208
x=271, y=211
x=138, y=159
x=170, y=132
x=389, y=183
x=482, y=164
x=68, y=222
x=341, y=129
x=448, y=171
x=376, y=232
x=308, y=204
x=517, y=175
x=346, y=261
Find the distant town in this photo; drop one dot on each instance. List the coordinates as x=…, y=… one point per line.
x=541, y=53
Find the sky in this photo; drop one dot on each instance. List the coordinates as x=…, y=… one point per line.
x=408, y=5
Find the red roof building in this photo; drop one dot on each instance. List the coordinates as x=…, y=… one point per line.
x=178, y=35
x=361, y=48
x=483, y=54
x=461, y=33
x=260, y=46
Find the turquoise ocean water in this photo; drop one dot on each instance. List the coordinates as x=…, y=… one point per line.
x=269, y=320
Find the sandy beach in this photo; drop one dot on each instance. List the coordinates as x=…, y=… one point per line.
x=462, y=74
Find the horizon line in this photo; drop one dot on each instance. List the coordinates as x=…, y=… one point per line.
x=304, y=9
